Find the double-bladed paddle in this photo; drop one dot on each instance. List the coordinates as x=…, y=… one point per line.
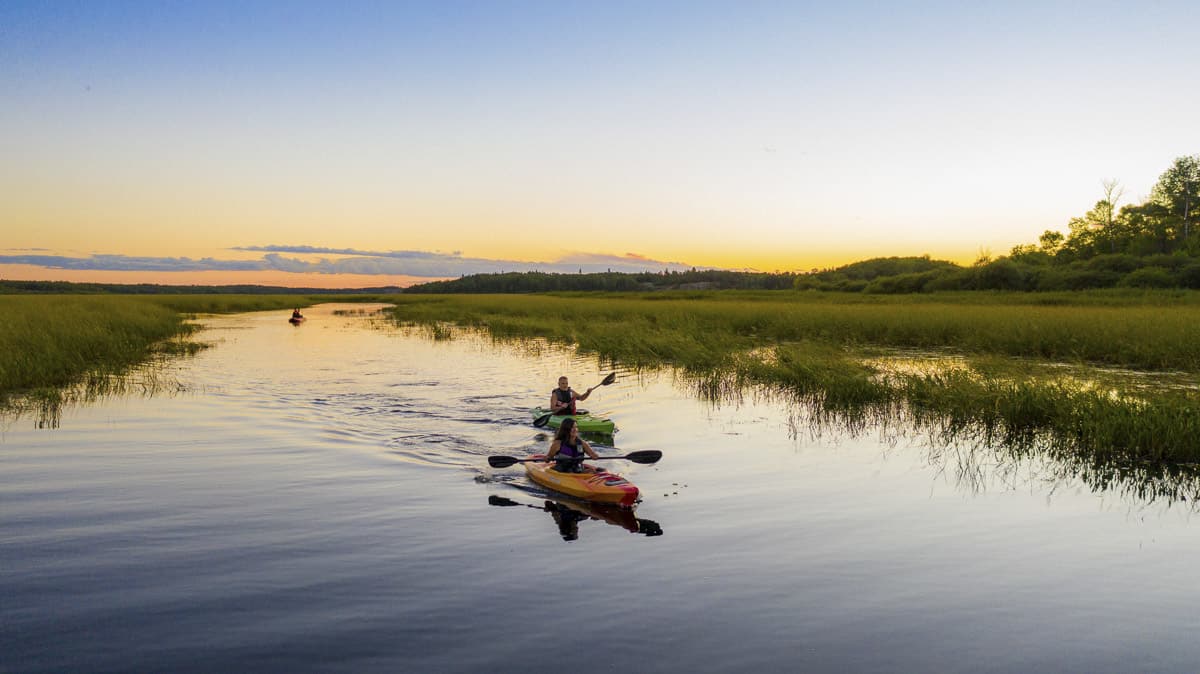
x=645, y=456
x=545, y=418
x=643, y=526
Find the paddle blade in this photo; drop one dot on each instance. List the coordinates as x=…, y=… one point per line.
x=501, y=501
x=612, y=376
x=502, y=461
x=645, y=456
x=542, y=420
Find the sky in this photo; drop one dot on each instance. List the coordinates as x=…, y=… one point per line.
x=356, y=144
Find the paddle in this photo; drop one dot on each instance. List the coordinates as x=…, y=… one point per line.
x=646, y=456
x=647, y=527
x=505, y=502
x=545, y=418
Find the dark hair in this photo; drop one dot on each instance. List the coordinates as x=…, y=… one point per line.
x=564, y=430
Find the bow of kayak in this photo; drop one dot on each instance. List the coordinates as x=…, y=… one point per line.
x=586, y=422
x=596, y=484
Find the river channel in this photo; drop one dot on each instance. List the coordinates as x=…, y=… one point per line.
x=318, y=498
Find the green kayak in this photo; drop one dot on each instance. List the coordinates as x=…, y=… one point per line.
x=585, y=421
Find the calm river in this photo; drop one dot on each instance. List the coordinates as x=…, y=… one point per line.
x=317, y=498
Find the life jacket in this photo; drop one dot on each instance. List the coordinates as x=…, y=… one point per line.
x=567, y=397
x=568, y=451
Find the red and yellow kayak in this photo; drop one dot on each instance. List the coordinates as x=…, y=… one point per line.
x=596, y=485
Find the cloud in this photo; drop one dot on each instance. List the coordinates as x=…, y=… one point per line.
x=317, y=250
x=127, y=263
x=417, y=263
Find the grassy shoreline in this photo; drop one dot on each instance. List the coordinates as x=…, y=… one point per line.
x=1009, y=389
x=56, y=341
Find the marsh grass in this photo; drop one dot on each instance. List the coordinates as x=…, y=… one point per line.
x=1005, y=385
x=55, y=349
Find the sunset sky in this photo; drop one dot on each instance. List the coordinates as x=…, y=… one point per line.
x=348, y=144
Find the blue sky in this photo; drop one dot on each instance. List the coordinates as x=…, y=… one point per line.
x=734, y=135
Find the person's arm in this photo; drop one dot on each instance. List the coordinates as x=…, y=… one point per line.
x=585, y=394
x=588, y=449
x=554, y=404
x=553, y=450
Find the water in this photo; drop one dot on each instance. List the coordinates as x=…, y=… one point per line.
x=317, y=498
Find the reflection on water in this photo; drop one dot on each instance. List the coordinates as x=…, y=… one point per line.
x=980, y=449
x=978, y=467
x=983, y=457
x=45, y=407
x=569, y=513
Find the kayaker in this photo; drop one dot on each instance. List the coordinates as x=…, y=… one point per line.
x=562, y=399
x=296, y=313
x=568, y=448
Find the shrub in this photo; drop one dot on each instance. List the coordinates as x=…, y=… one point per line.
x=1075, y=279
x=1189, y=276
x=1120, y=263
x=1001, y=274
x=1150, y=277
x=1172, y=262
x=901, y=283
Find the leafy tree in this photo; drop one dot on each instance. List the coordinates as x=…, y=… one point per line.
x=1051, y=241
x=1177, y=190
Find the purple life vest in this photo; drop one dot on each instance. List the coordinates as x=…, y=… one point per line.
x=568, y=451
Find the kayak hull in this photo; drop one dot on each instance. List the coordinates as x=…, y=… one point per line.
x=597, y=485
x=585, y=422
x=295, y=321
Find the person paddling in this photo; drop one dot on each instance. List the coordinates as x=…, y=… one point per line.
x=296, y=313
x=568, y=449
x=562, y=399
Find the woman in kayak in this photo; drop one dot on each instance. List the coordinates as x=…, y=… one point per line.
x=562, y=399
x=568, y=448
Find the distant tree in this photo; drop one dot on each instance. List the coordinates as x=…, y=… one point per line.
x=1110, y=231
x=1177, y=190
x=1030, y=254
x=1088, y=233
x=1151, y=228
x=1112, y=194
x=1051, y=241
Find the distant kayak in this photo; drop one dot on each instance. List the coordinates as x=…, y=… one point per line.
x=596, y=485
x=297, y=320
x=585, y=421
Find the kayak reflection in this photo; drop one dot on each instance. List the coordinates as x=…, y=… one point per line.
x=567, y=514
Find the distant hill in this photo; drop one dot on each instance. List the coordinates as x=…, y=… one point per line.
x=538, y=282
x=869, y=270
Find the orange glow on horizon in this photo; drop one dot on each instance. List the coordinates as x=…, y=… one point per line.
x=24, y=272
